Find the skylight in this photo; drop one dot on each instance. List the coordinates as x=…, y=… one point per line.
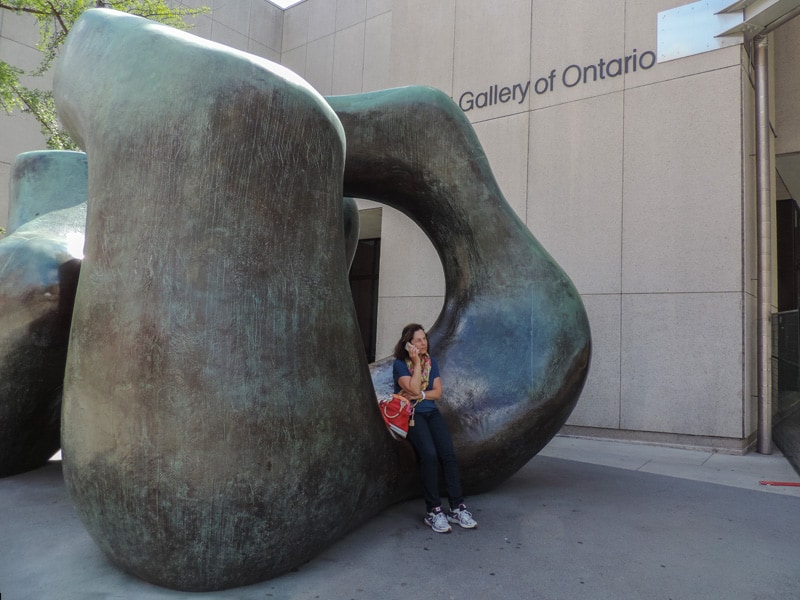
x=284, y=4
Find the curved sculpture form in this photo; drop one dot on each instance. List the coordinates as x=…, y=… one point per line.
x=45, y=181
x=219, y=423
x=513, y=337
x=39, y=274
x=39, y=265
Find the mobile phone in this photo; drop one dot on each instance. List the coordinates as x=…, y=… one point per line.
x=409, y=346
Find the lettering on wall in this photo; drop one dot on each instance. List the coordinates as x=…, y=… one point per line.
x=569, y=77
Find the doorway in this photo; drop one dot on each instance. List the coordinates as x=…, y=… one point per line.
x=786, y=328
x=364, y=273
x=364, y=288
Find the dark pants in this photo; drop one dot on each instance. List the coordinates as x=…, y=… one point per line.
x=431, y=439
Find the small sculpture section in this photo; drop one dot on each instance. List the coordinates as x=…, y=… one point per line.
x=40, y=261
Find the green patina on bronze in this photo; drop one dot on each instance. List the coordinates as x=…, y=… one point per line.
x=39, y=266
x=513, y=339
x=219, y=423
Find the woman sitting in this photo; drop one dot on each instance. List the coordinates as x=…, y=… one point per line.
x=416, y=377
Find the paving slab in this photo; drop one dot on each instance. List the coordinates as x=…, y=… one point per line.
x=745, y=471
x=558, y=530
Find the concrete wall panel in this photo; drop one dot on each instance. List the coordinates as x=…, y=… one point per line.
x=749, y=190
x=20, y=55
x=349, y=13
x=681, y=363
x=411, y=285
x=378, y=7
x=787, y=87
x=567, y=41
x=492, y=48
x=750, y=370
x=223, y=34
x=201, y=25
x=378, y=52
x=194, y=3
x=409, y=262
x=505, y=142
x=682, y=196
x=319, y=64
x=266, y=24
x=233, y=14
x=295, y=59
x=253, y=47
x=321, y=18
x=25, y=132
x=296, y=26
x=348, y=60
x=575, y=189
x=22, y=29
x=423, y=37
x=599, y=404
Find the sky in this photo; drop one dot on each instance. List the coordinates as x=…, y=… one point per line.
x=285, y=3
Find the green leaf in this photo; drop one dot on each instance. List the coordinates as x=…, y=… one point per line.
x=55, y=19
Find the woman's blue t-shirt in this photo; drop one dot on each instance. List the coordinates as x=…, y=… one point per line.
x=400, y=369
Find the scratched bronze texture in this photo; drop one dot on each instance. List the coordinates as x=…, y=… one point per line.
x=219, y=422
x=513, y=340
x=219, y=418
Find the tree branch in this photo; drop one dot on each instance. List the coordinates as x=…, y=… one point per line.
x=37, y=11
x=33, y=110
x=34, y=11
x=58, y=16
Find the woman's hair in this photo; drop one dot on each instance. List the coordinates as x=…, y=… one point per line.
x=407, y=335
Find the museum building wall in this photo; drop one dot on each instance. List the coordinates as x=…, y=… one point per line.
x=639, y=183
x=638, y=178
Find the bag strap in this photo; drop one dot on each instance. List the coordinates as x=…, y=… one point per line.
x=403, y=403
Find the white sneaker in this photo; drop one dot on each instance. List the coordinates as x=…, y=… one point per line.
x=437, y=521
x=463, y=517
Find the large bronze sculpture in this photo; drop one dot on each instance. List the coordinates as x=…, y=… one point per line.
x=219, y=419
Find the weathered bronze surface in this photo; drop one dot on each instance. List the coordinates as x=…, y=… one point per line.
x=219, y=422
x=45, y=181
x=39, y=266
x=513, y=339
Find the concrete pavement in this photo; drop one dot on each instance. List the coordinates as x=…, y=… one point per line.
x=584, y=519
